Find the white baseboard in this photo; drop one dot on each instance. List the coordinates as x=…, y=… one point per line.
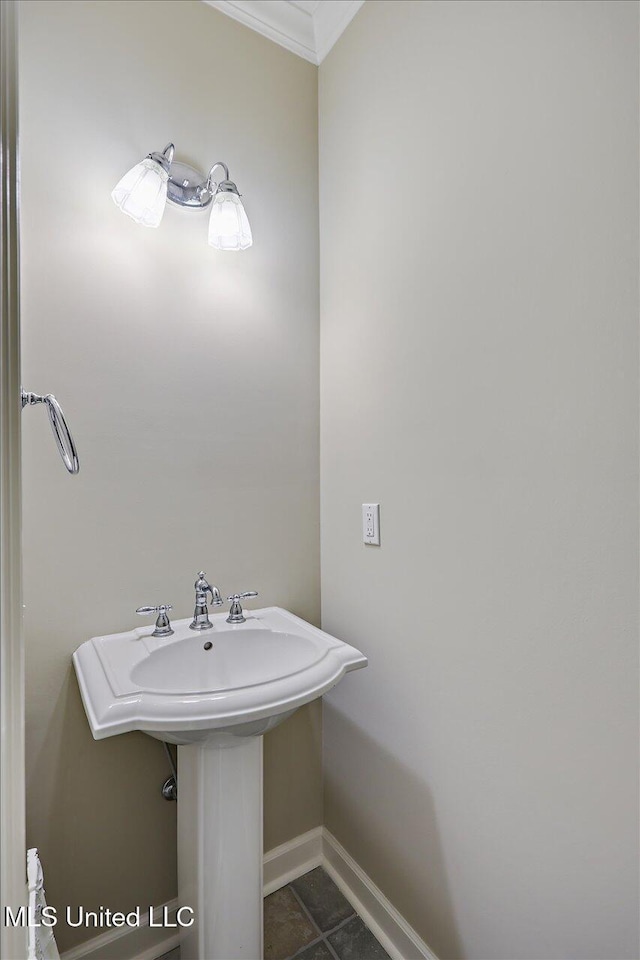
x=397, y=937
x=283, y=864
x=290, y=860
x=320, y=848
x=131, y=943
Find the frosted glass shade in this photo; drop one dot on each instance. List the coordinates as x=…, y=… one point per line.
x=142, y=192
x=228, y=224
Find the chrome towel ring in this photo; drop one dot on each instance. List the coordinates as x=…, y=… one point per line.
x=61, y=432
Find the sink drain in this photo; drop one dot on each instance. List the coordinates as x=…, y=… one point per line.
x=208, y=645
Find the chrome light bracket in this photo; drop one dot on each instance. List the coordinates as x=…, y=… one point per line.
x=188, y=187
x=227, y=186
x=222, y=186
x=165, y=159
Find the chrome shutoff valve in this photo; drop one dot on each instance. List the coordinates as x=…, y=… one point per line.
x=163, y=626
x=235, y=613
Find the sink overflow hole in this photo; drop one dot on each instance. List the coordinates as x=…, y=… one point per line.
x=208, y=645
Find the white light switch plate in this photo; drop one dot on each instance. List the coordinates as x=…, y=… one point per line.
x=371, y=523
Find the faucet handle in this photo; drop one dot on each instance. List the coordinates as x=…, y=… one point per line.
x=235, y=613
x=163, y=625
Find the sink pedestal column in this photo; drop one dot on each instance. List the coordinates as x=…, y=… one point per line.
x=220, y=848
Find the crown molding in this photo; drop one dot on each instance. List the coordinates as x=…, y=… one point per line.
x=330, y=19
x=308, y=28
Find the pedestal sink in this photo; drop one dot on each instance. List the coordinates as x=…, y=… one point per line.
x=214, y=694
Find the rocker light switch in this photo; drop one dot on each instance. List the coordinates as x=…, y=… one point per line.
x=371, y=523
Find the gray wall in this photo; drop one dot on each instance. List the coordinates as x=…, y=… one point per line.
x=479, y=308
x=190, y=378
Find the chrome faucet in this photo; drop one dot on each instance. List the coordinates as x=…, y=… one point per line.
x=201, y=614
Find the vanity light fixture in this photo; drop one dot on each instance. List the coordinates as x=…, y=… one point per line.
x=143, y=193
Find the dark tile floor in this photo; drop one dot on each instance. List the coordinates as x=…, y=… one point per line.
x=311, y=920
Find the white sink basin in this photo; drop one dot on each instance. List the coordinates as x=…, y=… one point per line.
x=252, y=676
x=238, y=658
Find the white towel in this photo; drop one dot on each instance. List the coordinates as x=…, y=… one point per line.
x=41, y=941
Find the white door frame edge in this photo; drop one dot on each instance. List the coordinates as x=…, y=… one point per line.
x=13, y=864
